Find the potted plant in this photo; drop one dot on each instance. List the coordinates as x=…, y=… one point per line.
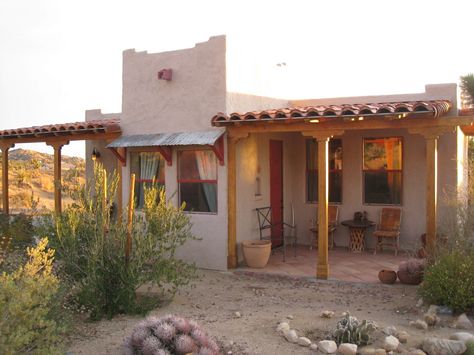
x=256, y=252
x=410, y=272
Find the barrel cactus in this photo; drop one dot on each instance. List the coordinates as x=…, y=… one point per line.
x=350, y=330
x=169, y=335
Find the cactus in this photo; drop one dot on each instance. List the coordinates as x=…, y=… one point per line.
x=169, y=335
x=350, y=330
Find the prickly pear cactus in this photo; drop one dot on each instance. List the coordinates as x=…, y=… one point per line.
x=350, y=330
x=169, y=335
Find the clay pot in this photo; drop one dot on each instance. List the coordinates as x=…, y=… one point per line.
x=256, y=252
x=410, y=278
x=387, y=276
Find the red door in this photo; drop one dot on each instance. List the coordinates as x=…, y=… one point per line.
x=276, y=190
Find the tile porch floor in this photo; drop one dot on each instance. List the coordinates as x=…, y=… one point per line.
x=343, y=264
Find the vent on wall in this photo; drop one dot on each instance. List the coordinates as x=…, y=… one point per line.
x=165, y=74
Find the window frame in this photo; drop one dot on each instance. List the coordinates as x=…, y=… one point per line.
x=196, y=181
x=161, y=182
x=340, y=171
x=400, y=171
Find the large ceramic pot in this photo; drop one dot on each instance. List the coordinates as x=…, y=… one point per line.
x=256, y=252
x=387, y=276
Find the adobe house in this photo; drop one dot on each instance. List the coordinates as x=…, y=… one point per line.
x=226, y=153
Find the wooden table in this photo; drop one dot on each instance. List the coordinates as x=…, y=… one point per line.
x=357, y=234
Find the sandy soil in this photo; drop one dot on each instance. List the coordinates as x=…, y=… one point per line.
x=262, y=302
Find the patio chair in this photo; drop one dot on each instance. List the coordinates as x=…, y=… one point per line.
x=333, y=221
x=277, y=232
x=388, y=228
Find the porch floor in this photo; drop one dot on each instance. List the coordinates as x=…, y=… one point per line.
x=343, y=264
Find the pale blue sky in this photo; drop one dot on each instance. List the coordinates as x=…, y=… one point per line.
x=59, y=57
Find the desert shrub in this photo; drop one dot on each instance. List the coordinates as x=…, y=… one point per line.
x=449, y=280
x=169, y=335
x=17, y=229
x=27, y=297
x=92, y=248
x=470, y=347
x=350, y=330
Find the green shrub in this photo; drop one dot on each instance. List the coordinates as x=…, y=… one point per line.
x=27, y=296
x=449, y=280
x=470, y=347
x=92, y=247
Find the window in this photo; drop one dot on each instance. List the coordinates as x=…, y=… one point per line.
x=383, y=170
x=335, y=170
x=148, y=167
x=197, y=179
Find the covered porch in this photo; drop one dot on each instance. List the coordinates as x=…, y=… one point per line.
x=422, y=124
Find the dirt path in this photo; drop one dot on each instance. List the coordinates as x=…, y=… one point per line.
x=262, y=302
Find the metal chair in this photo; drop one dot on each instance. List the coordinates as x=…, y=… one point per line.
x=278, y=231
x=333, y=221
x=388, y=227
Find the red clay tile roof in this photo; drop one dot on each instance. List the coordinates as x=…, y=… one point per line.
x=435, y=108
x=63, y=129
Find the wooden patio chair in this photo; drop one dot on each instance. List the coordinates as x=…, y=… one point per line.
x=389, y=228
x=333, y=221
x=268, y=229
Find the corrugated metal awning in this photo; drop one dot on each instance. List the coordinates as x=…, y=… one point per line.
x=168, y=139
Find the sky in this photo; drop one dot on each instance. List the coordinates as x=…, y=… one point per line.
x=61, y=57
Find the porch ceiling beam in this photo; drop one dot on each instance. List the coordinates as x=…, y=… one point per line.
x=273, y=126
x=53, y=139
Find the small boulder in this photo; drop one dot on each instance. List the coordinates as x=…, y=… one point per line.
x=431, y=319
x=291, y=336
x=420, y=324
x=347, y=349
x=303, y=341
x=283, y=327
x=366, y=350
x=402, y=336
x=463, y=322
x=390, y=343
x=327, y=314
x=436, y=346
x=463, y=336
x=237, y=315
x=290, y=317
x=313, y=347
x=390, y=330
x=327, y=346
x=416, y=352
x=380, y=352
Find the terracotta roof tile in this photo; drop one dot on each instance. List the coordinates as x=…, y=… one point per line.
x=435, y=107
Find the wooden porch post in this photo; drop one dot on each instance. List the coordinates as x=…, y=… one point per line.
x=232, y=199
x=431, y=190
x=119, y=191
x=322, y=137
x=57, y=146
x=5, y=148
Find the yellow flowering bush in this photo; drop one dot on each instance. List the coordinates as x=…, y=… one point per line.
x=26, y=298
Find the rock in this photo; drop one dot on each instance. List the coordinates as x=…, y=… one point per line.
x=283, y=327
x=290, y=317
x=366, y=350
x=463, y=322
x=380, y=352
x=431, y=319
x=390, y=330
x=436, y=346
x=416, y=352
x=390, y=343
x=327, y=314
x=419, y=304
x=313, y=347
x=402, y=336
x=237, y=315
x=445, y=310
x=433, y=309
x=420, y=324
x=463, y=336
x=303, y=341
x=347, y=349
x=327, y=346
x=291, y=335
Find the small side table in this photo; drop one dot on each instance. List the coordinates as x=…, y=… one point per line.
x=357, y=234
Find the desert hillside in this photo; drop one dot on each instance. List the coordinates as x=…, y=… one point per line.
x=32, y=182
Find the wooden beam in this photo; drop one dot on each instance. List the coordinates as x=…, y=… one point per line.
x=431, y=191
x=119, y=190
x=54, y=139
x=218, y=149
x=5, y=148
x=120, y=154
x=339, y=124
x=57, y=146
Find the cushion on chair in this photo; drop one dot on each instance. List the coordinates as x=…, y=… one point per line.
x=387, y=234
